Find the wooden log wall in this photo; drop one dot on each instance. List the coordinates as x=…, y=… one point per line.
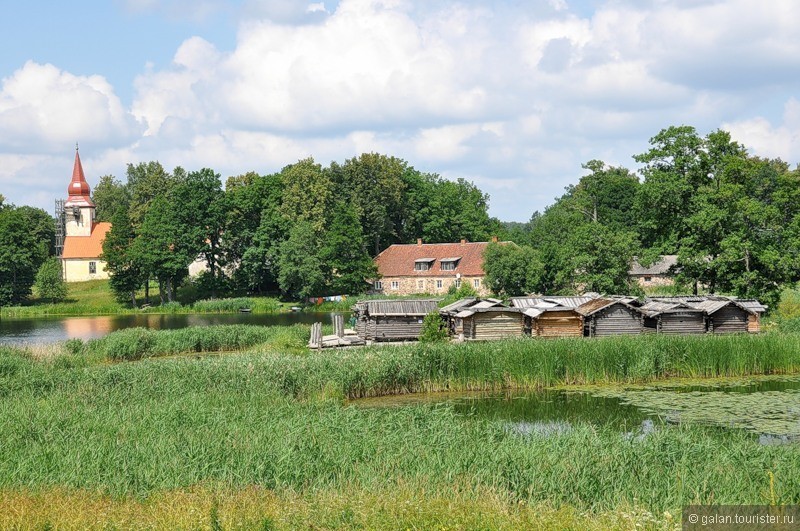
x=616, y=320
x=682, y=323
x=493, y=325
x=729, y=320
x=559, y=324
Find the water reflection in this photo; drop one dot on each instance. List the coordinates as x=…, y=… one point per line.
x=53, y=329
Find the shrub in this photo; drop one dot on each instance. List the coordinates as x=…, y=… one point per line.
x=433, y=329
x=49, y=282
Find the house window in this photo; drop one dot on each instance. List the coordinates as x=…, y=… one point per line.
x=420, y=284
x=648, y=279
x=449, y=264
x=423, y=264
x=378, y=285
x=395, y=284
x=457, y=283
x=439, y=284
x=92, y=268
x=476, y=283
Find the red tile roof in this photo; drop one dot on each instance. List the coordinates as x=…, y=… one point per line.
x=398, y=260
x=86, y=246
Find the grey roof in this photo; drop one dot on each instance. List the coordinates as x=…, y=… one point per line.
x=398, y=307
x=652, y=308
x=550, y=301
x=451, y=259
x=460, y=303
x=593, y=306
x=664, y=265
x=424, y=260
x=713, y=303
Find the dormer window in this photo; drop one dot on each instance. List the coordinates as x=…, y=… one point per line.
x=423, y=264
x=450, y=264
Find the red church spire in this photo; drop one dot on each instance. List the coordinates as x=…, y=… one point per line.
x=78, y=190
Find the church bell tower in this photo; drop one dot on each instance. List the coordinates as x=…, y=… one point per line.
x=78, y=209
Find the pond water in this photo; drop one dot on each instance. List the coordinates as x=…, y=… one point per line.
x=53, y=329
x=768, y=407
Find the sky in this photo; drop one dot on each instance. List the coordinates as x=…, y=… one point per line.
x=512, y=95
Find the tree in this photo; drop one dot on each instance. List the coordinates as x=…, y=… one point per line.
x=344, y=253
x=161, y=247
x=49, y=283
x=373, y=184
x=109, y=196
x=146, y=181
x=126, y=274
x=301, y=273
x=21, y=253
x=200, y=209
x=307, y=193
x=512, y=270
x=253, y=227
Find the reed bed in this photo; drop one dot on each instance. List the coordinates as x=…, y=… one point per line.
x=138, y=429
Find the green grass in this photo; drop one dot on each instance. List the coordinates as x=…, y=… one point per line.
x=221, y=431
x=134, y=430
x=94, y=297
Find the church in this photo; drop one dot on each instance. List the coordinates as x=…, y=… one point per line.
x=83, y=236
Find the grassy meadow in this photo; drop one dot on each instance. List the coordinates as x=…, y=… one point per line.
x=265, y=438
x=94, y=297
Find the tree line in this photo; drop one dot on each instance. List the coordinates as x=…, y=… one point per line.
x=310, y=230
x=307, y=230
x=732, y=219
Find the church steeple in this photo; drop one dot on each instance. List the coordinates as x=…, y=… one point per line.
x=78, y=190
x=78, y=208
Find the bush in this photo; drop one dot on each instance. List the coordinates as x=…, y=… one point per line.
x=73, y=346
x=433, y=329
x=49, y=282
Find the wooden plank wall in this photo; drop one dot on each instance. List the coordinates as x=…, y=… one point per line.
x=616, y=320
x=493, y=325
x=753, y=323
x=558, y=324
x=682, y=323
x=729, y=320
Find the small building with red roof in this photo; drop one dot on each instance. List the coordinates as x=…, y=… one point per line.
x=407, y=269
x=83, y=241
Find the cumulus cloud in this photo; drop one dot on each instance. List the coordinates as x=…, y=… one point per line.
x=43, y=108
x=514, y=96
x=775, y=141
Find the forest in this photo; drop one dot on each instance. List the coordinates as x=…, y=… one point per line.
x=733, y=220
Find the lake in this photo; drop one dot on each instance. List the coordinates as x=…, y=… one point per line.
x=766, y=406
x=53, y=329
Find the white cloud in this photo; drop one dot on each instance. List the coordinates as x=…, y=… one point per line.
x=513, y=95
x=42, y=107
x=767, y=140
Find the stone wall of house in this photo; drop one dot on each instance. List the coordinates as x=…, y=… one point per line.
x=77, y=269
x=426, y=285
x=654, y=280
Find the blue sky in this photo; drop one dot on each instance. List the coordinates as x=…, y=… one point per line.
x=513, y=95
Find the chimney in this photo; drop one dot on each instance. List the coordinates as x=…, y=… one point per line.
x=463, y=241
x=419, y=241
x=494, y=239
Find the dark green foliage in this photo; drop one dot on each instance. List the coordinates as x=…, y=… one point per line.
x=122, y=263
x=512, y=270
x=49, y=282
x=434, y=329
x=110, y=196
x=345, y=255
x=26, y=236
x=301, y=271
